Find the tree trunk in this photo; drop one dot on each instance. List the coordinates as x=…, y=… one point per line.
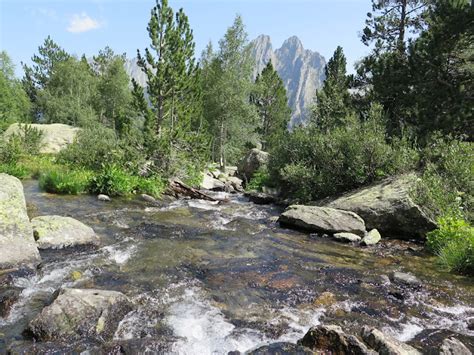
x=401, y=32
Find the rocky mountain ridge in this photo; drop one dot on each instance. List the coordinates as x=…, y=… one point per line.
x=301, y=70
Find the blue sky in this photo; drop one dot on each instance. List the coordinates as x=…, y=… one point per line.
x=89, y=25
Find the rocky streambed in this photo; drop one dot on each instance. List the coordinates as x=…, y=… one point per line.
x=197, y=277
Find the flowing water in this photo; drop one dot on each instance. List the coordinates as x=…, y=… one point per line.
x=212, y=278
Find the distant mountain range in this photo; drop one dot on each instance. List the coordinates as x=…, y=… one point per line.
x=301, y=70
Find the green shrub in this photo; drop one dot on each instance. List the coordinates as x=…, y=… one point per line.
x=114, y=181
x=310, y=164
x=453, y=242
x=446, y=186
x=153, y=186
x=93, y=147
x=13, y=169
x=260, y=179
x=64, y=181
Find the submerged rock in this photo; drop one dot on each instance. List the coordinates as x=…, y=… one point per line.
x=55, y=137
x=332, y=340
x=372, y=238
x=452, y=346
x=280, y=348
x=81, y=313
x=55, y=232
x=388, y=207
x=346, y=237
x=253, y=161
x=322, y=219
x=17, y=245
x=261, y=198
x=385, y=344
x=405, y=279
x=8, y=297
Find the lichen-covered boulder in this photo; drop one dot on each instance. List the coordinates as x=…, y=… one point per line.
x=253, y=161
x=55, y=137
x=81, y=313
x=331, y=339
x=17, y=245
x=56, y=232
x=385, y=344
x=389, y=207
x=322, y=219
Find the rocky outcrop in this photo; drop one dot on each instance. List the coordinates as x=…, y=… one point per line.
x=385, y=344
x=56, y=232
x=301, y=70
x=17, y=245
x=322, y=219
x=253, y=161
x=56, y=136
x=261, y=198
x=279, y=348
x=332, y=340
x=80, y=313
x=388, y=207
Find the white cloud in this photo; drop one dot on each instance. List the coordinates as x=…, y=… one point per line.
x=82, y=23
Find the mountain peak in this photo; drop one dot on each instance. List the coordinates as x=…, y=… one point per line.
x=293, y=43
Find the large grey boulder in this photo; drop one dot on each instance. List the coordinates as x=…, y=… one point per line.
x=17, y=245
x=331, y=339
x=81, y=313
x=452, y=346
x=385, y=344
x=210, y=183
x=322, y=219
x=56, y=232
x=253, y=161
x=56, y=136
x=388, y=207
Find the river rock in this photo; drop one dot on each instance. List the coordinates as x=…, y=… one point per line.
x=81, y=313
x=253, y=161
x=405, y=279
x=322, y=219
x=371, y=238
x=8, y=297
x=280, y=348
x=17, y=245
x=452, y=346
x=346, y=237
x=260, y=198
x=385, y=344
x=148, y=198
x=388, y=207
x=56, y=232
x=211, y=183
x=55, y=137
x=332, y=340
x=236, y=183
x=104, y=198
x=470, y=323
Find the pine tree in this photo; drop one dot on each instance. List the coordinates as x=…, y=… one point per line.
x=332, y=106
x=442, y=71
x=169, y=64
x=271, y=101
x=37, y=76
x=232, y=119
x=391, y=21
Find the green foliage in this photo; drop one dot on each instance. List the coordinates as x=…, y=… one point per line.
x=65, y=181
x=269, y=96
x=14, y=103
x=446, y=186
x=69, y=95
x=94, y=146
x=113, y=181
x=310, y=165
x=453, y=242
x=227, y=84
x=17, y=170
x=333, y=103
x=153, y=186
x=260, y=179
